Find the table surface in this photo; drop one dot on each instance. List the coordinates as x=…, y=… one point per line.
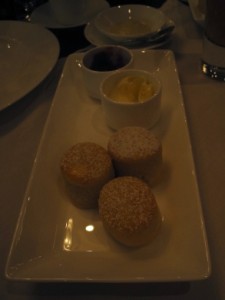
x=21, y=128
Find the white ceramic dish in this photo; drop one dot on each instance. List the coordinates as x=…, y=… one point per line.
x=43, y=15
x=68, y=11
x=54, y=241
x=134, y=109
x=28, y=53
x=197, y=10
x=96, y=38
x=129, y=22
x=99, y=62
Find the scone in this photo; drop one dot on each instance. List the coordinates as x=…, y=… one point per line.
x=135, y=151
x=129, y=211
x=86, y=167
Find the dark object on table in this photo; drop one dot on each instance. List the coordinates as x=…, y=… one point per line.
x=154, y=3
x=70, y=39
x=24, y=8
x=7, y=11
x=184, y=2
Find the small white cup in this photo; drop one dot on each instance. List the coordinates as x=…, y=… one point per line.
x=68, y=11
x=100, y=62
x=122, y=114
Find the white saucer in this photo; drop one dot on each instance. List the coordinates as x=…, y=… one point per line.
x=43, y=15
x=96, y=38
x=28, y=53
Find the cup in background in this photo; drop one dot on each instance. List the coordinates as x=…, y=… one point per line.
x=66, y=11
x=213, y=56
x=100, y=62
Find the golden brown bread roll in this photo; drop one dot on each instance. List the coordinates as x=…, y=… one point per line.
x=86, y=167
x=135, y=151
x=129, y=211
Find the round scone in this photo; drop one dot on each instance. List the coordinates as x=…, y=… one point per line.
x=86, y=167
x=129, y=211
x=135, y=151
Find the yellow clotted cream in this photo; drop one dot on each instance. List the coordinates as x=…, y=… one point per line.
x=132, y=89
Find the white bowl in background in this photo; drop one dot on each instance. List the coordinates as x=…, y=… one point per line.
x=131, y=97
x=129, y=22
x=67, y=11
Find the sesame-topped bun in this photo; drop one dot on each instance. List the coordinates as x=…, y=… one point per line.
x=86, y=167
x=136, y=152
x=129, y=211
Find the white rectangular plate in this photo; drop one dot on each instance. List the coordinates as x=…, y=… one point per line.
x=52, y=241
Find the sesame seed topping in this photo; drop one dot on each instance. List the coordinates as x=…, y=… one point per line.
x=85, y=162
x=133, y=143
x=127, y=204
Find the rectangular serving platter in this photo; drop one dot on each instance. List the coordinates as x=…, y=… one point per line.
x=55, y=241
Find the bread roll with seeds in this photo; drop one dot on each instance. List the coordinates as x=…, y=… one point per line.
x=135, y=151
x=129, y=211
x=86, y=167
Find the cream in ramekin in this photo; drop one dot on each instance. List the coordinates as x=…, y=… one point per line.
x=131, y=98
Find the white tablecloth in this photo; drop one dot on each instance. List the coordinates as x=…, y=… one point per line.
x=20, y=133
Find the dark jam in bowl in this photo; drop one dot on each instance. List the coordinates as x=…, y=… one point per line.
x=106, y=59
